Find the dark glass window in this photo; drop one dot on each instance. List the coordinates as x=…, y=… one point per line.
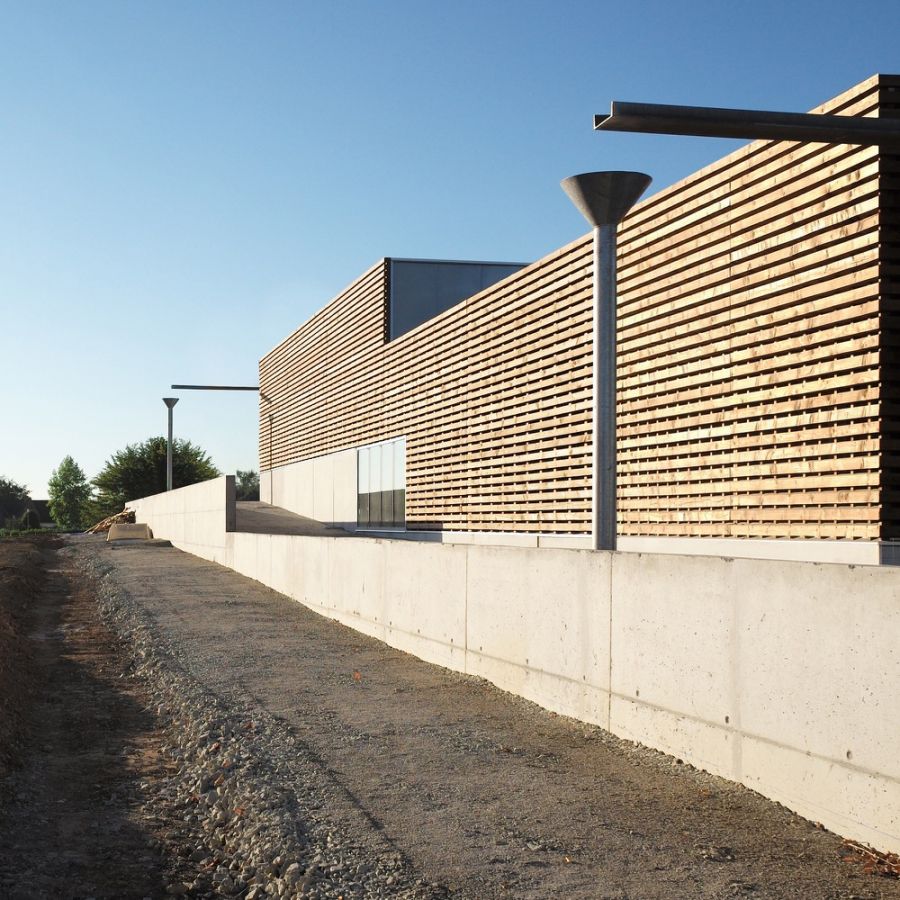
x=381, y=485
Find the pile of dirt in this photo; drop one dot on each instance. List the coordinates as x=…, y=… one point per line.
x=126, y=517
x=21, y=577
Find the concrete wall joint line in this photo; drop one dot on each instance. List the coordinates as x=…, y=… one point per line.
x=466, y=612
x=609, y=683
x=556, y=676
x=812, y=754
x=737, y=747
x=390, y=630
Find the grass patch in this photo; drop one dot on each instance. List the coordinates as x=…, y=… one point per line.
x=23, y=532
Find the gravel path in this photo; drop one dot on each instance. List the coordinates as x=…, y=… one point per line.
x=312, y=761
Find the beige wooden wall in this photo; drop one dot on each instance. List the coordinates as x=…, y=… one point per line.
x=749, y=364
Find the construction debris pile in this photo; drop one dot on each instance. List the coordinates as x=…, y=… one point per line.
x=874, y=862
x=123, y=518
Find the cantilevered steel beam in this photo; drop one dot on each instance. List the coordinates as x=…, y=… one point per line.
x=751, y=124
x=212, y=387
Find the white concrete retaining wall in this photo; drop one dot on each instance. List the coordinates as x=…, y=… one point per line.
x=780, y=675
x=195, y=518
x=323, y=488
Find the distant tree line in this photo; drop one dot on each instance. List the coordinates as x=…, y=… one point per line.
x=137, y=471
x=16, y=508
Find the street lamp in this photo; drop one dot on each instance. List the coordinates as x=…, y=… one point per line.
x=170, y=402
x=604, y=199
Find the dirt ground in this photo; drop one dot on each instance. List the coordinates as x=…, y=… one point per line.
x=479, y=791
x=77, y=746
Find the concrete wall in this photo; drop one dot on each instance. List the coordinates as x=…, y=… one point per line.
x=195, y=518
x=322, y=488
x=780, y=675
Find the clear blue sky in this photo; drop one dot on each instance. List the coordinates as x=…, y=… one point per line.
x=183, y=183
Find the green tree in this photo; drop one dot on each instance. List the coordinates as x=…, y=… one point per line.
x=247, y=485
x=69, y=495
x=14, y=501
x=140, y=471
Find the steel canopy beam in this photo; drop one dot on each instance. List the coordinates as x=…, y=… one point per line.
x=212, y=387
x=750, y=124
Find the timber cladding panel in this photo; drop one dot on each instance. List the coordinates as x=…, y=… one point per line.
x=754, y=298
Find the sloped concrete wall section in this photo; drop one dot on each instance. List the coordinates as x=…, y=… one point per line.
x=321, y=488
x=195, y=518
x=781, y=675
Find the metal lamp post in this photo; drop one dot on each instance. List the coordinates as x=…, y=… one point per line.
x=170, y=402
x=604, y=199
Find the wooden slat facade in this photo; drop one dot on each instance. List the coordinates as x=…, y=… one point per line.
x=759, y=391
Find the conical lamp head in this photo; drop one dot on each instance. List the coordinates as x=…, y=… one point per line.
x=604, y=198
